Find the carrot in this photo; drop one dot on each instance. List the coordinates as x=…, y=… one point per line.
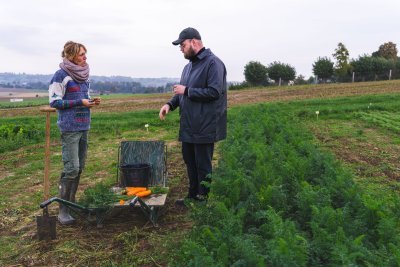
x=131, y=191
x=144, y=193
x=135, y=188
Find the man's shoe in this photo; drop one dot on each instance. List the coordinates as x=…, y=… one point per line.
x=184, y=201
x=201, y=197
x=180, y=202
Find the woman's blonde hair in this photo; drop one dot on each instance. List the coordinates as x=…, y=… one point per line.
x=71, y=49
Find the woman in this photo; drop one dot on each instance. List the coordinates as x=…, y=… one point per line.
x=69, y=94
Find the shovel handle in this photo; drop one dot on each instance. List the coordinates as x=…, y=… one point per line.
x=47, y=109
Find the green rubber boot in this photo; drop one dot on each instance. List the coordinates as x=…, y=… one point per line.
x=65, y=190
x=74, y=187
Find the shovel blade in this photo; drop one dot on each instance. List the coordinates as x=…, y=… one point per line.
x=46, y=227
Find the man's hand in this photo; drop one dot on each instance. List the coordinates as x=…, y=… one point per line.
x=179, y=89
x=164, y=111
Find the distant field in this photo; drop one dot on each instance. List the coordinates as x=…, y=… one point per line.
x=129, y=102
x=8, y=93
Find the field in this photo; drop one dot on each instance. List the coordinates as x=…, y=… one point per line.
x=359, y=123
x=115, y=103
x=6, y=94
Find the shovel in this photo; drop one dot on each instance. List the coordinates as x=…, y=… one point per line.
x=46, y=225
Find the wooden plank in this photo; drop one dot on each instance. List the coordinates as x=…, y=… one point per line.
x=154, y=200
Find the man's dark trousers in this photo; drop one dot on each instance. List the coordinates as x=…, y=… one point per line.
x=198, y=160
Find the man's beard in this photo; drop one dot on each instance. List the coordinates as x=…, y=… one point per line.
x=190, y=53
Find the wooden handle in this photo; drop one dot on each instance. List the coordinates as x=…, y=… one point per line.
x=47, y=109
x=47, y=152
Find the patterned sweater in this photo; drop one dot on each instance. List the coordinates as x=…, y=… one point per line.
x=66, y=96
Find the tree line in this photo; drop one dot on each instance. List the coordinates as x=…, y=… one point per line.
x=98, y=84
x=382, y=64
x=99, y=87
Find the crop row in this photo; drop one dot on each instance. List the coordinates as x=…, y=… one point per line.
x=387, y=120
x=277, y=200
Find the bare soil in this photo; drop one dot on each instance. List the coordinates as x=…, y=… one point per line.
x=239, y=97
x=374, y=156
x=8, y=93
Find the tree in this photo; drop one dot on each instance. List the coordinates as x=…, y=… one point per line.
x=255, y=73
x=323, y=68
x=387, y=50
x=311, y=80
x=372, y=68
x=278, y=70
x=363, y=66
x=300, y=80
x=396, y=71
x=342, y=68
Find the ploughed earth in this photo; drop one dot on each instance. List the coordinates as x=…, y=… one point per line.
x=237, y=97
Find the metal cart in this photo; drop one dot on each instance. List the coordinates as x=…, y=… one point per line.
x=153, y=153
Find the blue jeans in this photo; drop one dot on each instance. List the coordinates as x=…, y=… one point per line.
x=74, y=151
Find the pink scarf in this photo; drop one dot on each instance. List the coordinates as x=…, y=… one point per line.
x=78, y=73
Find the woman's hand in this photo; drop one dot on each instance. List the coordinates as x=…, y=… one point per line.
x=88, y=103
x=97, y=100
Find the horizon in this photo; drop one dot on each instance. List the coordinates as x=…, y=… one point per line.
x=135, y=78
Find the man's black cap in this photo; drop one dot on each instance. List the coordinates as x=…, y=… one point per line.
x=188, y=33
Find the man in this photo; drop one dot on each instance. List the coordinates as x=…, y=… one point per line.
x=202, y=101
x=69, y=94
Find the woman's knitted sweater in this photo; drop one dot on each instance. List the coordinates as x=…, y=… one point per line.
x=66, y=96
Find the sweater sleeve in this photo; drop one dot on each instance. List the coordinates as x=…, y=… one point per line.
x=64, y=104
x=56, y=94
x=56, y=91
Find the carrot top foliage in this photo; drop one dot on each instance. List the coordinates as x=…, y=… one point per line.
x=278, y=200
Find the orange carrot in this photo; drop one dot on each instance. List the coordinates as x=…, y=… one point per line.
x=131, y=191
x=135, y=188
x=144, y=193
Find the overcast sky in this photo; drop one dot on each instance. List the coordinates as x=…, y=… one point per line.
x=133, y=38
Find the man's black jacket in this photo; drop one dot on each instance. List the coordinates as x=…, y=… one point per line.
x=203, y=107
